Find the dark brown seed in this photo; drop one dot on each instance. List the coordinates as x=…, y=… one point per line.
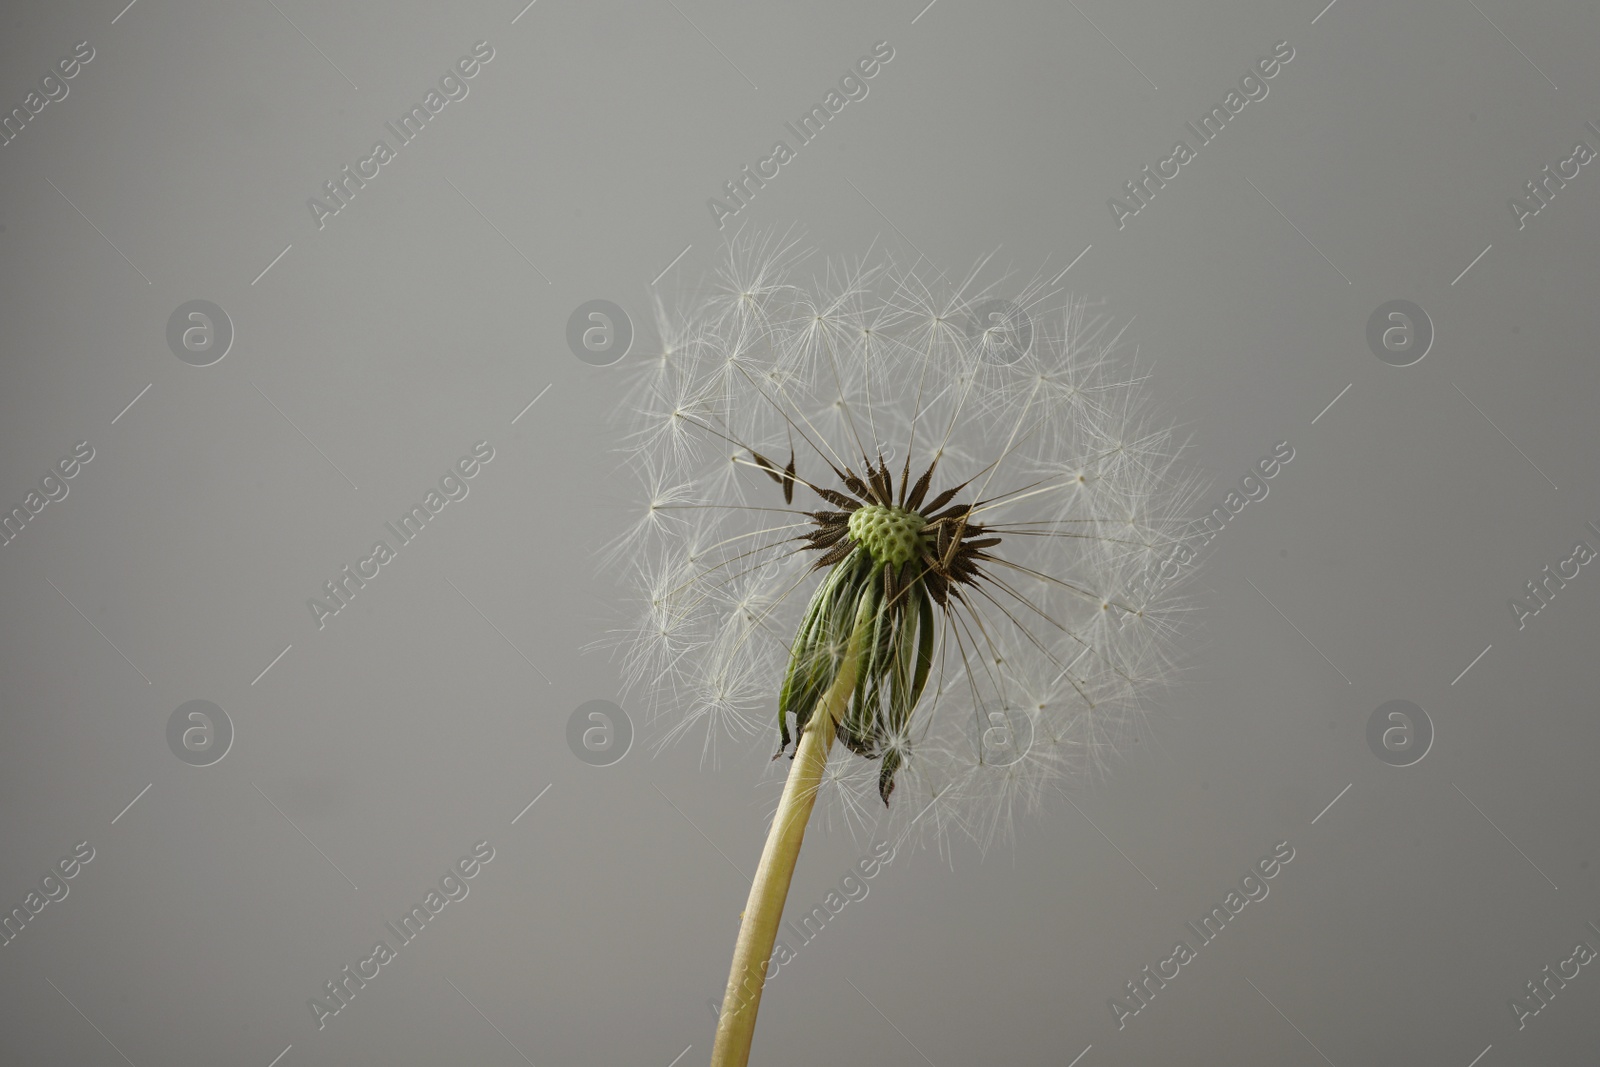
x=914, y=501
x=767, y=465
x=834, y=555
x=881, y=484
x=942, y=499
x=838, y=499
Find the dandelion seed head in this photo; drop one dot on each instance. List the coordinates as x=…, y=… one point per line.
x=850, y=430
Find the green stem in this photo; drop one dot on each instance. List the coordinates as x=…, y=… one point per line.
x=759, y=929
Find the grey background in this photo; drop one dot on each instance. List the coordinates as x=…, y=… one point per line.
x=415, y=324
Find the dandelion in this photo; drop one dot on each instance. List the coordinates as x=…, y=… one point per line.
x=907, y=516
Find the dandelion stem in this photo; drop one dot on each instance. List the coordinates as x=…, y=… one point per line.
x=759, y=927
